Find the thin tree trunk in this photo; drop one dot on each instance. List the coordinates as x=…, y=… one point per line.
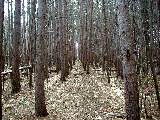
x=12, y=33
x=104, y=37
x=152, y=63
x=1, y=51
x=82, y=34
x=149, y=40
x=57, y=44
x=40, y=106
x=24, y=47
x=32, y=40
x=9, y=33
x=65, y=37
x=155, y=83
x=158, y=3
x=61, y=39
x=105, y=47
x=16, y=53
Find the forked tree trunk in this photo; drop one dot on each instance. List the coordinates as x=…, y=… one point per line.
x=40, y=106
x=16, y=53
x=129, y=63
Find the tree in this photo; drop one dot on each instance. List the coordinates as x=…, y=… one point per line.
x=128, y=63
x=105, y=41
x=63, y=37
x=11, y=32
x=81, y=33
x=40, y=106
x=1, y=51
x=149, y=43
x=33, y=39
x=16, y=53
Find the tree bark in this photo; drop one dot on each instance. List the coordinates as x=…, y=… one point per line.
x=12, y=33
x=33, y=40
x=40, y=106
x=1, y=51
x=149, y=43
x=105, y=46
x=129, y=64
x=16, y=53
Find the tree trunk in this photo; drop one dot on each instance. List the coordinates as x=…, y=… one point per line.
x=12, y=33
x=61, y=38
x=158, y=36
x=149, y=44
x=33, y=39
x=155, y=83
x=1, y=51
x=16, y=53
x=152, y=58
x=8, y=34
x=129, y=64
x=65, y=38
x=57, y=39
x=105, y=46
x=40, y=106
x=104, y=36
x=82, y=35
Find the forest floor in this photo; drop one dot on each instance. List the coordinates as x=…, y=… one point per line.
x=81, y=97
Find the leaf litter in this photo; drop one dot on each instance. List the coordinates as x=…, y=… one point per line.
x=82, y=97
